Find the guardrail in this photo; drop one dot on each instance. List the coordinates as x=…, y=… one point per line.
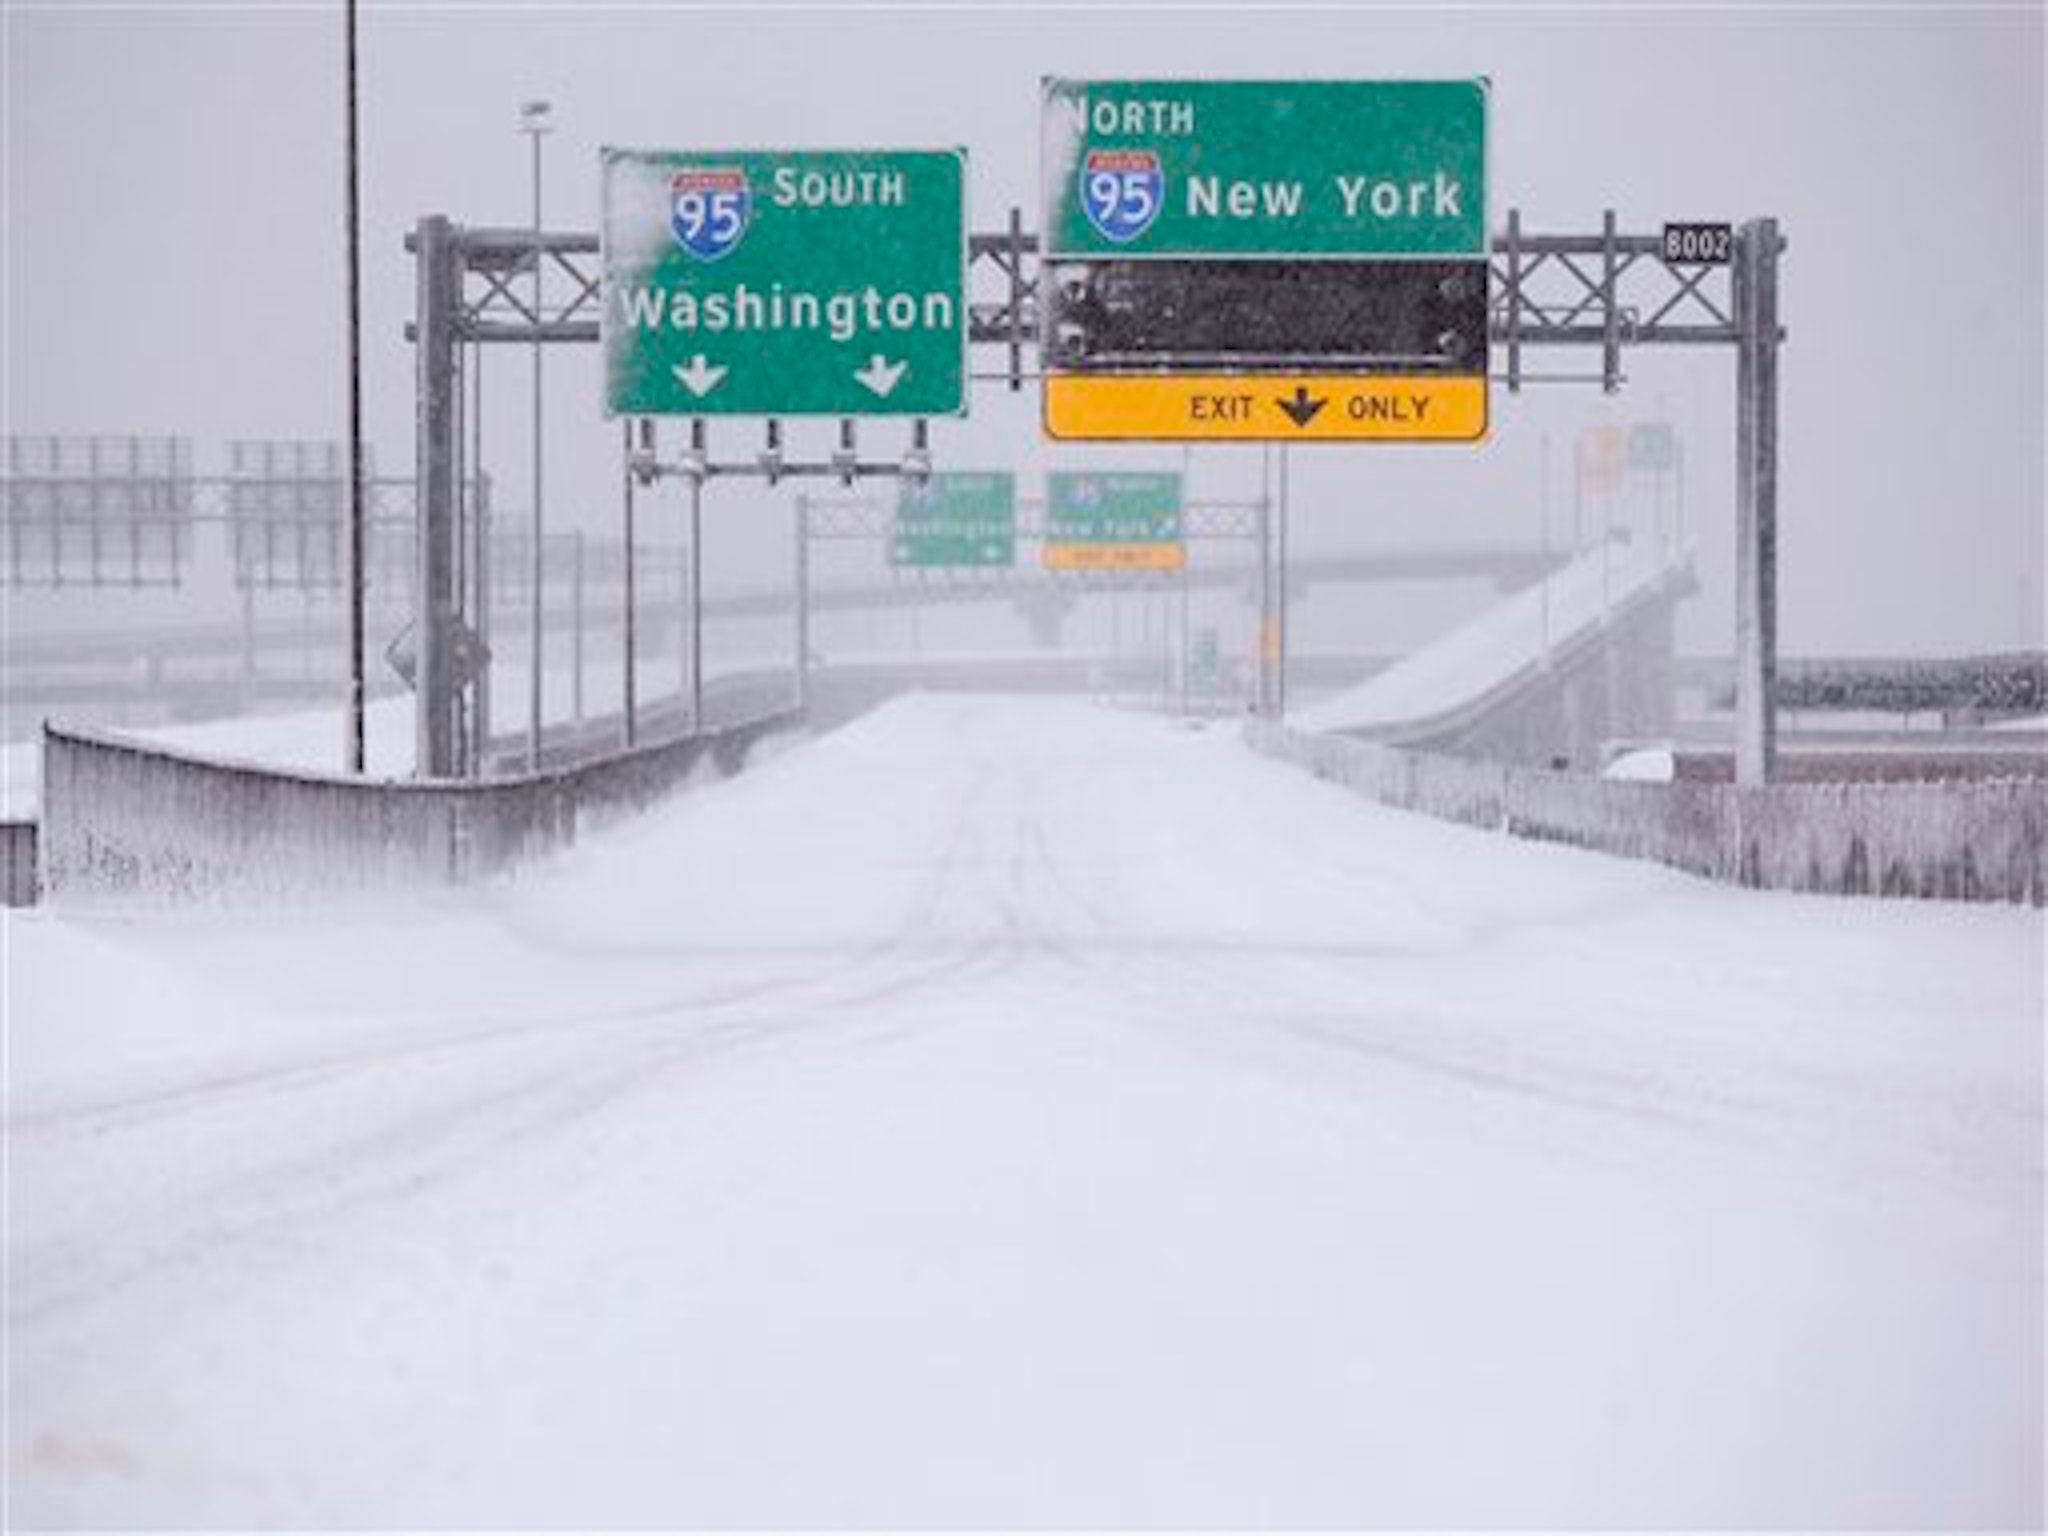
x=17, y=864
x=1971, y=842
x=121, y=818
x=2012, y=683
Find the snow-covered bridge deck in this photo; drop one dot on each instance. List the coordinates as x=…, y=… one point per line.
x=1013, y=1112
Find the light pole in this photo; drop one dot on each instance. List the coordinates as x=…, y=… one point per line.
x=1280, y=603
x=355, y=757
x=535, y=122
x=1544, y=513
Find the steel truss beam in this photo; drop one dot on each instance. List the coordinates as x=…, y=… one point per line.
x=1607, y=291
x=1215, y=521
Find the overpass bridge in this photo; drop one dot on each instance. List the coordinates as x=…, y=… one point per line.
x=1547, y=676
x=208, y=645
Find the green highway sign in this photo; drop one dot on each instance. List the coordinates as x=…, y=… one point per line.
x=957, y=519
x=1112, y=520
x=784, y=283
x=1652, y=445
x=1277, y=260
x=1285, y=169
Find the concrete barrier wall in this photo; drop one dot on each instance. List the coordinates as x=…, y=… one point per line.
x=120, y=818
x=1974, y=842
x=17, y=863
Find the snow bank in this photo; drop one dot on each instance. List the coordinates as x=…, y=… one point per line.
x=1643, y=765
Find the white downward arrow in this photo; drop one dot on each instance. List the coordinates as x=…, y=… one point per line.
x=880, y=375
x=700, y=378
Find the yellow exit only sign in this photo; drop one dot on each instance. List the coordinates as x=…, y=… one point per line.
x=1114, y=557
x=1335, y=407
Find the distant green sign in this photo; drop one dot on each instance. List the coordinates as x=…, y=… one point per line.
x=1113, y=520
x=957, y=519
x=1271, y=168
x=1651, y=445
x=749, y=283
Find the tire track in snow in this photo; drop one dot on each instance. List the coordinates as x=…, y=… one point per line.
x=361, y=1133
x=1760, y=1102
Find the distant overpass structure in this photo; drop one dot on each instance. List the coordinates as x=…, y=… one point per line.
x=1547, y=676
x=1579, y=666
x=1505, y=567
x=215, y=635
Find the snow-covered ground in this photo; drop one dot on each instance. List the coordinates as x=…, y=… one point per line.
x=1009, y=1112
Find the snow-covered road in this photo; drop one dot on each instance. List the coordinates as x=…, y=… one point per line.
x=1013, y=1112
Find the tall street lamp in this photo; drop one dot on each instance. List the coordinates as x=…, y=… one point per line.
x=355, y=757
x=535, y=122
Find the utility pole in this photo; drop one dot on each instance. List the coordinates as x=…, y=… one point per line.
x=1280, y=604
x=1262, y=671
x=802, y=583
x=1543, y=504
x=631, y=658
x=534, y=123
x=576, y=627
x=700, y=455
x=355, y=752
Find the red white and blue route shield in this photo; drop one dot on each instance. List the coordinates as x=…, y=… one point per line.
x=1121, y=191
x=708, y=209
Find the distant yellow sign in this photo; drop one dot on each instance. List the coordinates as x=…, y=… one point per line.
x=1603, y=452
x=1269, y=640
x=1114, y=557
x=1266, y=407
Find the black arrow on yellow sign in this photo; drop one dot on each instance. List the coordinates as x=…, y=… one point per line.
x=1301, y=407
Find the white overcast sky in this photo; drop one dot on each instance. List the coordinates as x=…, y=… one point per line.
x=173, y=236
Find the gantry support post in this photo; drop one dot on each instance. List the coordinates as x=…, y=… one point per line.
x=435, y=602
x=1756, y=501
x=802, y=582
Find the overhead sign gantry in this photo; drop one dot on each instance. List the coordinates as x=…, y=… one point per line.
x=1265, y=260
x=1603, y=292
